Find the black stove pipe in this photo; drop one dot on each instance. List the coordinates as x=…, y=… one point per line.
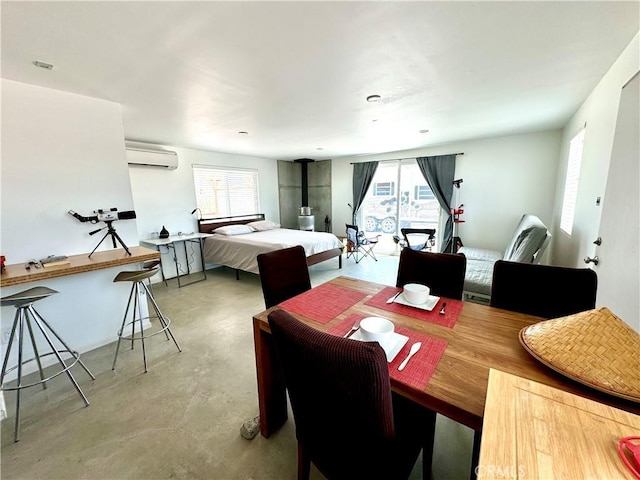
x=305, y=180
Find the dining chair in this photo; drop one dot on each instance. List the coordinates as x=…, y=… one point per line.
x=546, y=291
x=347, y=421
x=358, y=245
x=283, y=274
x=443, y=273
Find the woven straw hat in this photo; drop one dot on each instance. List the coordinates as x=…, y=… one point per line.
x=595, y=348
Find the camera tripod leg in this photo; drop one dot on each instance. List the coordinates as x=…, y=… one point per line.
x=92, y=251
x=117, y=237
x=114, y=237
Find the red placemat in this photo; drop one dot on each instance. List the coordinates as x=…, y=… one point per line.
x=420, y=368
x=323, y=303
x=449, y=319
x=344, y=326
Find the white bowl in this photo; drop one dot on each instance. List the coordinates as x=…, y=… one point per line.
x=375, y=329
x=416, y=293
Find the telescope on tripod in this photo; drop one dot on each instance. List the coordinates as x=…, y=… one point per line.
x=108, y=216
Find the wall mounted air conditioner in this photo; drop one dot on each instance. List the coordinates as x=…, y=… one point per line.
x=148, y=155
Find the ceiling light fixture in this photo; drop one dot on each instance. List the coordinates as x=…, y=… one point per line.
x=44, y=65
x=243, y=133
x=319, y=148
x=373, y=98
x=423, y=131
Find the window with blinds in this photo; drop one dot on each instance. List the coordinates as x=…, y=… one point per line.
x=571, y=183
x=222, y=192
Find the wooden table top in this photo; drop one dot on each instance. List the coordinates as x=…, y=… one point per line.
x=535, y=431
x=483, y=338
x=17, y=274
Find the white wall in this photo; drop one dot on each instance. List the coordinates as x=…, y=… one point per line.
x=598, y=112
x=504, y=177
x=167, y=197
x=59, y=152
x=62, y=151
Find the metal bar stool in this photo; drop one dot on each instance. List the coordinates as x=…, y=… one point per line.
x=153, y=264
x=27, y=317
x=137, y=278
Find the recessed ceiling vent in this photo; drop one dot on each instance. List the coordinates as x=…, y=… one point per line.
x=149, y=155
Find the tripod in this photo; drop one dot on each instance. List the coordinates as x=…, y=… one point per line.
x=114, y=236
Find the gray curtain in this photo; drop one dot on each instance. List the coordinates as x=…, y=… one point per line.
x=438, y=171
x=362, y=176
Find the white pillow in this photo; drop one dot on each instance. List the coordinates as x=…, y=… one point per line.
x=262, y=225
x=233, y=230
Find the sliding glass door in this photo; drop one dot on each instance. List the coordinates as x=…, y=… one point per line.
x=399, y=197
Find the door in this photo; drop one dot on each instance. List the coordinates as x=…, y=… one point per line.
x=399, y=197
x=619, y=262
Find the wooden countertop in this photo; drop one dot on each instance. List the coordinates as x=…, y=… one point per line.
x=17, y=274
x=536, y=431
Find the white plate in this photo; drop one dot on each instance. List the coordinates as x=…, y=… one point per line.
x=391, y=347
x=431, y=302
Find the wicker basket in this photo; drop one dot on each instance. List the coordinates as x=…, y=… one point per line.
x=595, y=348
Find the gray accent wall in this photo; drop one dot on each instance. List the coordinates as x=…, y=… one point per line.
x=290, y=192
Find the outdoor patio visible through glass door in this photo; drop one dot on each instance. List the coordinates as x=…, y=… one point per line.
x=399, y=197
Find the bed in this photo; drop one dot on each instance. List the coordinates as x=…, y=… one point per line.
x=239, y=251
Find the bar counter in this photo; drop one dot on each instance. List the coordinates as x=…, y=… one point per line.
x=17, y=274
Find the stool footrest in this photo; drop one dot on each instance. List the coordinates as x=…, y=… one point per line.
x=75, y=357
x=142, y=335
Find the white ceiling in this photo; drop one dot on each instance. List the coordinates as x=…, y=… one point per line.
x=295, y=75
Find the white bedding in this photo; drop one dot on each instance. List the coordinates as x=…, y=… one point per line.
x=240, y=251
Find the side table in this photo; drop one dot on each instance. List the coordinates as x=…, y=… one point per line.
x=170, y=243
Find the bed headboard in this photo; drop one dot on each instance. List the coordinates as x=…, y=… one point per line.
x=206, y=225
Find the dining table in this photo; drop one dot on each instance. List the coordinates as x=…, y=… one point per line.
x=449, y=374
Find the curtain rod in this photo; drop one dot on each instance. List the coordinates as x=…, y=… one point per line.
x=410, y=158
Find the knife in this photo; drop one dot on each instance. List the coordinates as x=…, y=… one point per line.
x=414, y=349
x=392, y=299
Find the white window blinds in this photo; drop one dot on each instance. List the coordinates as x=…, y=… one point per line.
x=222, y=192
x=571, y=183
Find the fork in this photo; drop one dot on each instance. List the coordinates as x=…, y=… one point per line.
x=355, y=327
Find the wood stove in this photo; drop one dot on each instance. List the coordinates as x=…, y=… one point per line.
x=306, y=221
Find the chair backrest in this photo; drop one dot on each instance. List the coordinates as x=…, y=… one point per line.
x=422, y=237
x=543, y=290
x=283, y=274
x=528, y=238
x=443, y=273
x=352, y=234
x=340, y=397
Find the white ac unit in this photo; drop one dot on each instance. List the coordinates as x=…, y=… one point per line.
x=148, y=155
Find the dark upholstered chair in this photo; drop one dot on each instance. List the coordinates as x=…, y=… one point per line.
x=283, y=274
x=443, y=273
x=543, y=290
x=347, y=421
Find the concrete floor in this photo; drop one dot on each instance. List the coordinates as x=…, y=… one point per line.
x=182, y=418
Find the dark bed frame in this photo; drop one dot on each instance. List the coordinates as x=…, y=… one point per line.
x=206, y=225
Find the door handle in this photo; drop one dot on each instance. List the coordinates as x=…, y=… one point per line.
x=593, y=260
